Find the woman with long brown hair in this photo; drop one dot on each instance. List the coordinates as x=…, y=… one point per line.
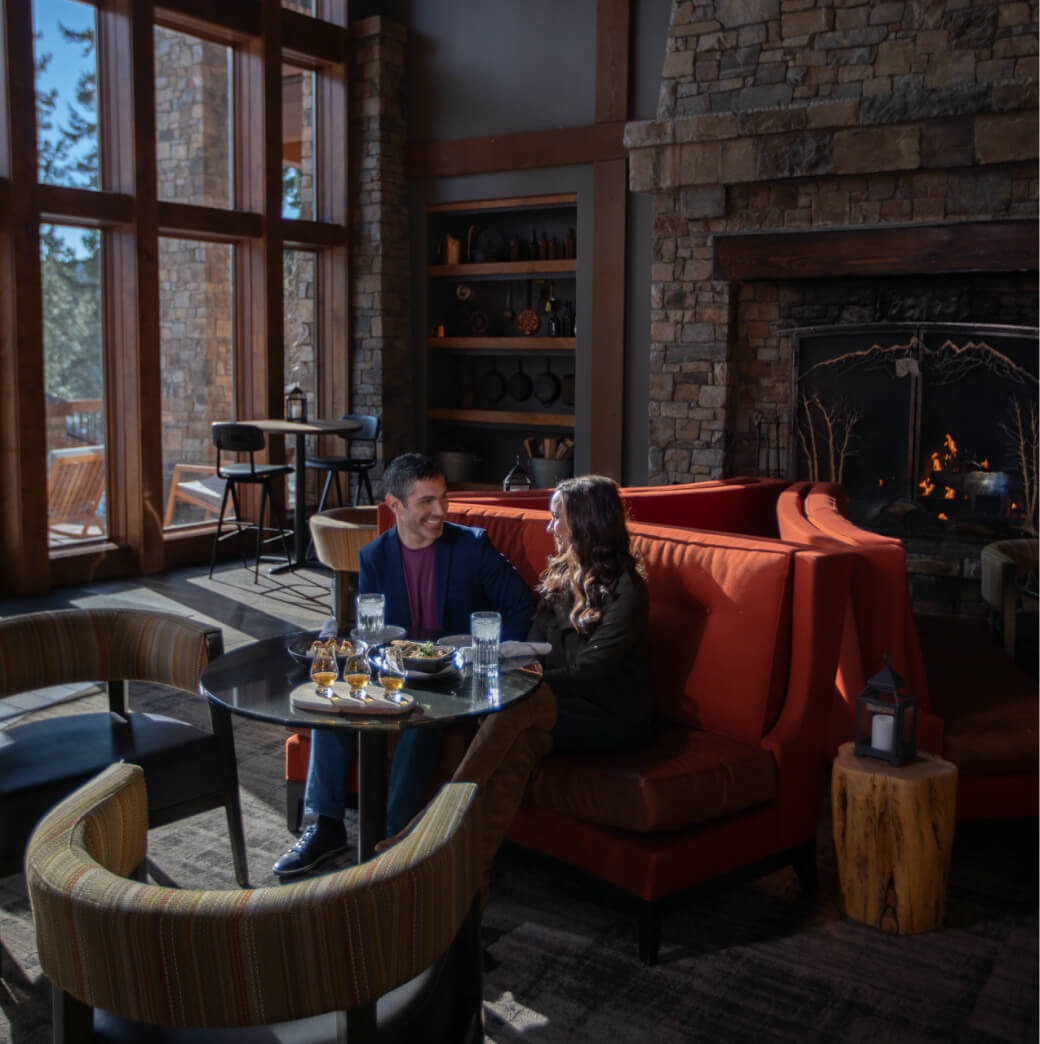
x=593, y=610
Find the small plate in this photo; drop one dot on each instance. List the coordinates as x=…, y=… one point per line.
x=300, y=648
x=427, y=664
x=387, y=634
x=304, y=697
x=456, y=641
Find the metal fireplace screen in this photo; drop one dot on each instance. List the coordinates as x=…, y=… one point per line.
x=929, y=428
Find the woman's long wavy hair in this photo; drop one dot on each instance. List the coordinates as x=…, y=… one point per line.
x=586, y=570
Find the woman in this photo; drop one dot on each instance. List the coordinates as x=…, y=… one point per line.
x=593, y=610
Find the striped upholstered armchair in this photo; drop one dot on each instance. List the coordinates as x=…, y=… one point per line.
x=189, y=768
x=339, y=943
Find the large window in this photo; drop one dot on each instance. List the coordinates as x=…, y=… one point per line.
x=158, y=279
x=297, y=143
x=74, y=384
x=65, y=56
x=193, y=119
x=197, y=346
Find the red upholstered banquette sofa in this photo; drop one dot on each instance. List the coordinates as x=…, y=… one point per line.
x=744, y=647
x=769, y=611
x=976, y=707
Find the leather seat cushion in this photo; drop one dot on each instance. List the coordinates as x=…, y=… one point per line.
x=999, y=741
x=684, y=776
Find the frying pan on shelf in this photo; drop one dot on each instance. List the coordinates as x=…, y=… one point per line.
x=492, y=385
x=520, y=384
x=547, y=386
x=568, y=389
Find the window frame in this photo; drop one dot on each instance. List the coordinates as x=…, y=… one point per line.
x=262, y=35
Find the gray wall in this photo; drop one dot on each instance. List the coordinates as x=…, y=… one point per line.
x=486, y=67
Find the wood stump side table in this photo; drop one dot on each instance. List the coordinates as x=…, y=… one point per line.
x=893, y=835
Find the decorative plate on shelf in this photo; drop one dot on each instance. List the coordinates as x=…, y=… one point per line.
x=527, y=322
x=463, y=291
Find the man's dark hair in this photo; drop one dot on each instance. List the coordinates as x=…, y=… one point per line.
x=404, y=471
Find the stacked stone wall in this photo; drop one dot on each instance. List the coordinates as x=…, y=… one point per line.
x=381, y=368
x=778, y=115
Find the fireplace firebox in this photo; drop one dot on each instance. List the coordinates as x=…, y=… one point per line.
x=930, y=428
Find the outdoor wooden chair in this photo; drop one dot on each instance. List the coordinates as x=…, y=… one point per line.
x=75, y=486
x=195, y=485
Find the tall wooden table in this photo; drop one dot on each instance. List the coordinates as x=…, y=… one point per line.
x=893, y=835
x=301, y=429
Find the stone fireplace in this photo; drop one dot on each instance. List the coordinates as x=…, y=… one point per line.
x=830, y=163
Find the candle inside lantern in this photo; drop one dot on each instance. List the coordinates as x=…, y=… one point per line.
x=881, y=732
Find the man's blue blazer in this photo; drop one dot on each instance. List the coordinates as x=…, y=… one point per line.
x=470, y=575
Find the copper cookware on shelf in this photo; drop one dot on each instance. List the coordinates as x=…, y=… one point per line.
x=527, y=322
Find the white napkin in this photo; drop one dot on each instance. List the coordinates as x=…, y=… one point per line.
x=510, y=650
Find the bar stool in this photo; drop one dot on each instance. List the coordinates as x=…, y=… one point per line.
x=360, y=466
x=230, y=437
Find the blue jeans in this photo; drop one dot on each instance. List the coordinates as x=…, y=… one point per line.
x=415, y=761
x=582, y=727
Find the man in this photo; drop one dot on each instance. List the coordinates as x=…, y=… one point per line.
x=434, y=574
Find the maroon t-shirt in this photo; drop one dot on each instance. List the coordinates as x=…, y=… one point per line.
x=420, y=582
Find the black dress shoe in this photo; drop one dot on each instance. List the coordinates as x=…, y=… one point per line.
x=316, y=844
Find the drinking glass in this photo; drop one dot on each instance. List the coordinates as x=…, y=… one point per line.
x=357, y=670
x=486, y=630
x=371, y=609
x=324, y=670
x=392, y=671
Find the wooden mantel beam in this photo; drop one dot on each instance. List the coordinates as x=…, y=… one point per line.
x=967, y=246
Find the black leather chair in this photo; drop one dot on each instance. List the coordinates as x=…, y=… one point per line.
x=189, y=768
x=230, y=437
x=350, y=464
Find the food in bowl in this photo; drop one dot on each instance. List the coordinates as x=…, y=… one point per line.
x=426, y=657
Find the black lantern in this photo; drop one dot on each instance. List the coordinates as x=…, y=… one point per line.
x=295, y=403
x=886, y=719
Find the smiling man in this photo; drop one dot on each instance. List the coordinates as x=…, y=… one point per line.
x=434, y=574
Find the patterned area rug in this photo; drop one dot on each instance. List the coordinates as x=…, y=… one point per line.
x=753, y=961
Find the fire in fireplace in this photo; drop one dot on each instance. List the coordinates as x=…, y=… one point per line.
x=931, y=429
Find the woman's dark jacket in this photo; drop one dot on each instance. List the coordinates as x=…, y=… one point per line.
x=610, y=664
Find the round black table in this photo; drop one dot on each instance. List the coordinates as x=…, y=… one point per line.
x=255, y=680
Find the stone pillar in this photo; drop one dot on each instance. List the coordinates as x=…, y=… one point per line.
x=381, y=364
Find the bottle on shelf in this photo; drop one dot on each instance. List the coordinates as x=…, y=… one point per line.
x=570, y=244
x=517, y=478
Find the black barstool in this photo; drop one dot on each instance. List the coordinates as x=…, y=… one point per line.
x=360, y=466
x=229, y=437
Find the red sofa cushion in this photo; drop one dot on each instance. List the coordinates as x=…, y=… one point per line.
x=685, y=776
x=712, y=598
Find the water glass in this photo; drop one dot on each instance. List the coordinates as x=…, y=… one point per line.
x=371, y=610
x=486, y=630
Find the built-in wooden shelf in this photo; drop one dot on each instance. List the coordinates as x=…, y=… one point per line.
x=506, y=269
x=537, y=420
x=538, y=345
